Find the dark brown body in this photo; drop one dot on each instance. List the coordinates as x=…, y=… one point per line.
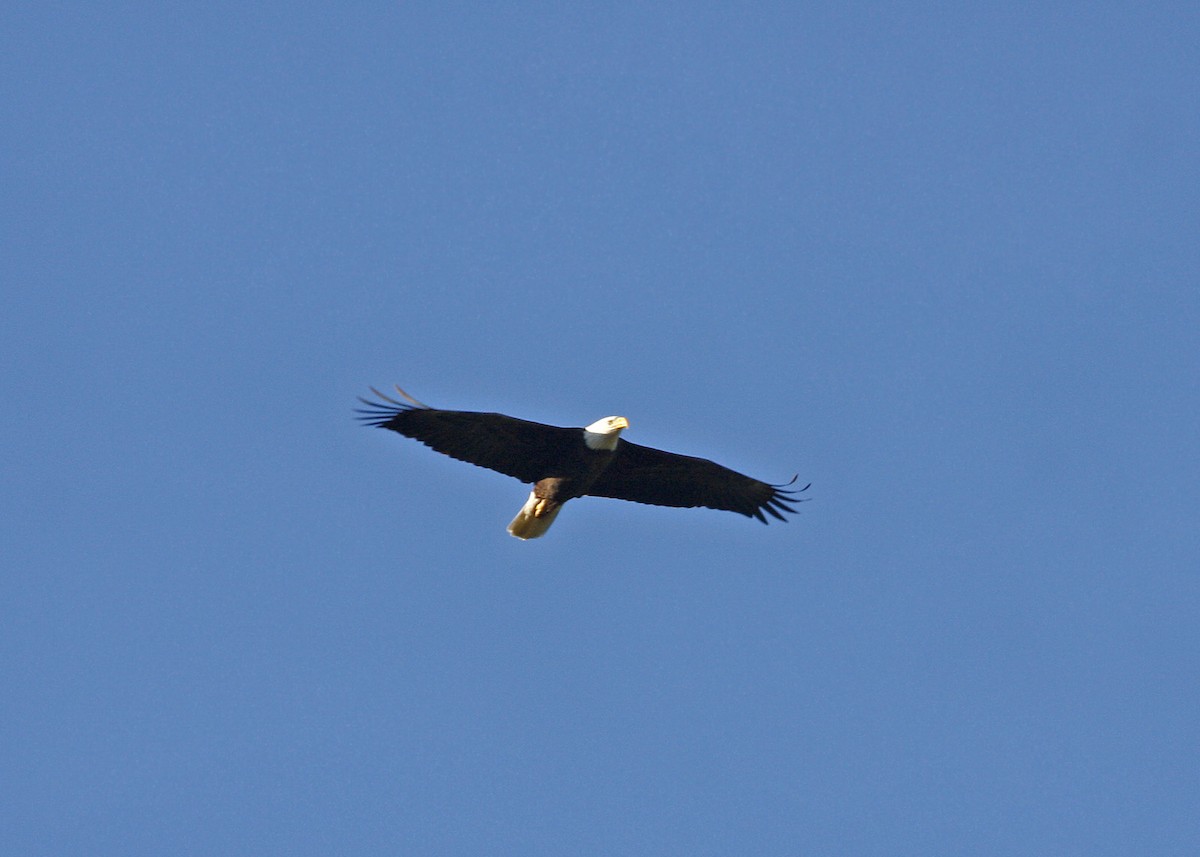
x=579, y=475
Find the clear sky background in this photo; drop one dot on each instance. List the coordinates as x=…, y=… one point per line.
x=940, y=260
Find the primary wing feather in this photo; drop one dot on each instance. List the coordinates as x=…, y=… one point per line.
x=646, y=475
x=519, y=448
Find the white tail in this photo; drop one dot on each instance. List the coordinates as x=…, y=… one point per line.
x=535, y=518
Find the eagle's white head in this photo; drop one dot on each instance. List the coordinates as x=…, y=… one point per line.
x=603, y=433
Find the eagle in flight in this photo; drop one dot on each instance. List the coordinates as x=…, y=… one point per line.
x=565, y=463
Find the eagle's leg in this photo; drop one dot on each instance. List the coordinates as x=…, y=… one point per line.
x=535, y=517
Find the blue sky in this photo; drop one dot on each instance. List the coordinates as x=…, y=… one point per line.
x=942, y=262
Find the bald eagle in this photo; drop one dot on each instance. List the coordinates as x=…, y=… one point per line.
x=564, y=463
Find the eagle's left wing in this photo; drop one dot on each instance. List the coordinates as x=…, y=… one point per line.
x=646, y=475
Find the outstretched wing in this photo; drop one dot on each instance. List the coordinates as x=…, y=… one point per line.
x=646, y=475
x=518, y=448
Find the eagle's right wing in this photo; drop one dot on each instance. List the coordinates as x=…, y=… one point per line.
x=519, y=448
